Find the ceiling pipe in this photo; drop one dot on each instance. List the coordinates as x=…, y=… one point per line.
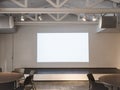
x=57, y=10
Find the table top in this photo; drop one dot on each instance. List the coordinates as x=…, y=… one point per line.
x=9, y=76
x=113, y=79
x=73, y=70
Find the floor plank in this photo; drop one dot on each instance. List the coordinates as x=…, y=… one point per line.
x=62, y=85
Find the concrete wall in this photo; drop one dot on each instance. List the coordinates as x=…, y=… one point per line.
x=6, y=52
x=104, y=48
x=118, y=51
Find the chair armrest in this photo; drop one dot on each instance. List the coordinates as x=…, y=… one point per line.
x=108, y=85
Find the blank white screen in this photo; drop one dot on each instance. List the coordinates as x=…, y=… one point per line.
x=62, y=47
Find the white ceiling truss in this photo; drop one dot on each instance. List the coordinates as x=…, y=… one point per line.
x=24, y=5
x=57, y=4
x=57, y=11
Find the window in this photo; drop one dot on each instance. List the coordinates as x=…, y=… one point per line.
x=62, y=47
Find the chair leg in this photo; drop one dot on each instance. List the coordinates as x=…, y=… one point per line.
x=118, y=88
x=34, y=88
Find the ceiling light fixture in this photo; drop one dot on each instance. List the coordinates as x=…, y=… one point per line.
x=84, y=18
x=22, y=18
x=40, y=18
x=94, y=18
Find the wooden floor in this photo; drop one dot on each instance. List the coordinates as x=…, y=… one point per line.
x=62, y=85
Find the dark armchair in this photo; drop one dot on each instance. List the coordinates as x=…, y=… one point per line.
x=93, y=85
x=0, y=69
x=28, y=84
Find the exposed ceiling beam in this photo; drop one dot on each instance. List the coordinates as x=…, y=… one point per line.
x=52, y=22
x=31, y=18
x=58, y=18
x=51, y=3
x=53, y=17
x=58, y=10
x=25, y=4
x=58, y=4
x=62, y=17
x=61, y=4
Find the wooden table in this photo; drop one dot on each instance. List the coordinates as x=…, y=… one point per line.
x=7, y=80
x=113, y=79
x=9, y=76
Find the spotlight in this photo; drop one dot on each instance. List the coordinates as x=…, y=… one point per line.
x=22, y=18
x=84, y=18
x=94, y=18
x=40, y=18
